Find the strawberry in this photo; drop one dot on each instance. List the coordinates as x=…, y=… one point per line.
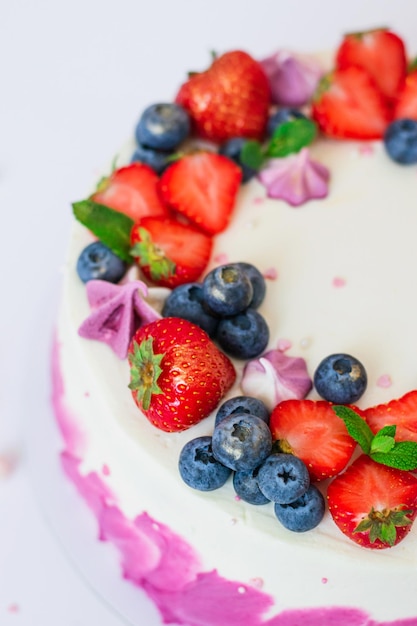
x=401, y=413
x=230, y=99
x=372, y=504
x=132, y=190
x=178, y=375
x=406, y=103
x=311, y=431
x=202, y=186
x=347, y=104
x=381, y=53
x=170, y=253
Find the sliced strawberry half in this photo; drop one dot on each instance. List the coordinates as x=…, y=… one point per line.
x=401, y=412
x=202, y=186
x=170, y=253
x=406, y=102
x=372, y=504
x=381, y=53
x=311, y=431
x=348, y=105
x=132, y=190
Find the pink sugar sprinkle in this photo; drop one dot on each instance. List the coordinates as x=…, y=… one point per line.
x=105, y=470
x=338, y=282
x=238, y=498
x=221, y=258
x=8, y=462
x=324, y=581
x=13, y=608
x=284, y=345
x=257, y=582
x=270, y=273
x=384, y=381
x=86, y=394
x=258, y=200
x=366, y=149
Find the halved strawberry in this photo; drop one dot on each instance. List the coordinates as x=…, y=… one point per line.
x=132, y=190
x=178, y=375
x=230, y=99
x=406, y=102
x=202, y=186
x=372, y=504
x=312, y=431
x=381, y=53
x=348, y=105
x=170, y=253
x=401, y=413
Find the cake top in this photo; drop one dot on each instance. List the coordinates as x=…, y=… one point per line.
x=172, y=208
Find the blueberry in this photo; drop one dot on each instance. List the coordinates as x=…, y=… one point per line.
x=400, y=140
x=227, y=290
x=247, y=488
x=241, y=441
x=286, y=114
x=232, y=149
x=258, y=284
x=243, y=336
x=198, y=467
x=163, y=126
x=158, y=160
x=186, y=301
x=340, y=378
x=242, y=404
x=283, y=478
x=98, y=262
x=303, y=514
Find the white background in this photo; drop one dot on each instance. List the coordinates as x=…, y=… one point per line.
x=74, y=77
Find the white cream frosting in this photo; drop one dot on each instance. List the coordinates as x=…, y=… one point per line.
x=345, y=282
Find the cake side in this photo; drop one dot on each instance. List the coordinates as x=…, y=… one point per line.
x=312, y=247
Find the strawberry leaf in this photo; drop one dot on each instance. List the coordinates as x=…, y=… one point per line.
x=252, y=155
x=145, y=370
x=357, y=428
x=291, y=137
x=111, y=227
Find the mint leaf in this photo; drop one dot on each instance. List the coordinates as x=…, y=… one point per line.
x=252, y=155
x=290, y=137
x=357, y=428
x=382, y=443
x=402, y=456
x=111, y=227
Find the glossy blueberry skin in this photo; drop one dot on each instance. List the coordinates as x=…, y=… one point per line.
x=186, y=301
x=242, y=404
x=283, y=478
x=163, y=126
x=400, y=141
x=198, y=467
x=286, y=114
x=158, y=160
x=241, y=441
x=303, y=514
x=246, y=486
x=340, y=378
x=227, y=290
x=243, y=336
x=98, y=262
x=258, y=283
x=232, y=149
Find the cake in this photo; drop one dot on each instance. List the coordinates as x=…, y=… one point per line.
x=339, y=274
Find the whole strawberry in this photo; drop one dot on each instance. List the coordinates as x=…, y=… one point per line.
x=372, y=504
x=230, y=99
x=177, y=375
